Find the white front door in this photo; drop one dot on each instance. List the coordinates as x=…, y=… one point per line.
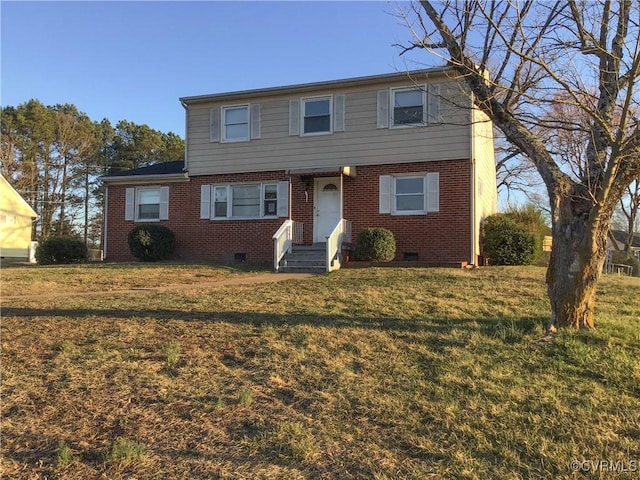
x=328, y=203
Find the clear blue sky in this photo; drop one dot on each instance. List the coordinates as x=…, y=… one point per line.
x=133, y=60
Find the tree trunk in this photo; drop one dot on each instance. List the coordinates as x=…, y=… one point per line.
x=577, y=257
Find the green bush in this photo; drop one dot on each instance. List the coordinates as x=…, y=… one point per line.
x=151, y=243
x=506, y=242
x=375, y=244
x=533, y=219
x=61, y=250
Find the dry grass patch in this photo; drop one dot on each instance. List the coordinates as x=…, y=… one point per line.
x=24, y=280
x=378, y=373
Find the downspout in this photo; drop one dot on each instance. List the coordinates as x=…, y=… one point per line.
x=186, y=126
x=104, y=220
x=473, y=211
x=472, y=258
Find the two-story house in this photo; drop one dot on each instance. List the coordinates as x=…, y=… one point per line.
x=314, y=164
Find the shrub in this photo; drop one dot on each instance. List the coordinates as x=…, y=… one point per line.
x=506, y=242
x=151, y=243
x=533, y=219
x=61, y=250
x=375, y=244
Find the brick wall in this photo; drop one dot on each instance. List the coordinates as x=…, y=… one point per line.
x=439, y=237
x=196, y=239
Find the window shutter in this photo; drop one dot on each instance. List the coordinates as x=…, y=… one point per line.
x=383, y=108
x=294, y=117
x=130, y=206
x=385, y=194
x=205, y=201
x=433, y=103
x=164, y=203
x=214, y=125
x=255, y=120
x=283, y=199
x=338, y=113
x=433, y=192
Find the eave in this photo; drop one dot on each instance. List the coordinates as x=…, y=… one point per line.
x=308, y=87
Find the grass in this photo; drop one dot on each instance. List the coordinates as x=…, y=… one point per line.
x=373, y=373
x=125, y=452
x=25, y=280
x=64, y=454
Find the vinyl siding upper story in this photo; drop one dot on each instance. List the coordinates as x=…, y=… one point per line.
x=357, y=136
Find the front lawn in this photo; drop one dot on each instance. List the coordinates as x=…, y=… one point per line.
x=377, y=373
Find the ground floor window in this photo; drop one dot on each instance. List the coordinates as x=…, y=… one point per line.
x=147, y=204
x=255, y=200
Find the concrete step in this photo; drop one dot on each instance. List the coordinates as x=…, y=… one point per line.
x=305, y=258
x=316, y=247
x=299, y=262
x=301, y=269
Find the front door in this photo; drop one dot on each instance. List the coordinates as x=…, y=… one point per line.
x=328, y=205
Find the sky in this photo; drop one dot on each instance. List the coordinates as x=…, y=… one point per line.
x=134, y=60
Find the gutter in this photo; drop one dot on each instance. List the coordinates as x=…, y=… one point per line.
x=139, y=179
x=307, y=87
x=186, y=127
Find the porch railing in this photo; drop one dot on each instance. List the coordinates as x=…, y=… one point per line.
x=340, y=234
x=290, y=233
x=282, y=242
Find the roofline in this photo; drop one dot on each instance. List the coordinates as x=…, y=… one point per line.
x=158, y=177
x=305, y=87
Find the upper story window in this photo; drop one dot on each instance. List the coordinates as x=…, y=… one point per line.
x=235, y=127
x=7, y=219
x=234, y=123
x=316, y=114
x=417, y=105
x=409, y=107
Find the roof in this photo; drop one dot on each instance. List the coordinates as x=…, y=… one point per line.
x=621, y=237
x=304, y=87
x=163, y=170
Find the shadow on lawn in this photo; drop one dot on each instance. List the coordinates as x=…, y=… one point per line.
x=508, y=329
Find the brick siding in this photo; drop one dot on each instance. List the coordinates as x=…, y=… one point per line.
x=439, y=237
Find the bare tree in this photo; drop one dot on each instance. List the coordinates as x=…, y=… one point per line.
x=520, y=60
x=630, y=213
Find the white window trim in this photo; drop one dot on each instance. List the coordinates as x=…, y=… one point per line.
x=394, y=210
x=229, y=189
x=392, y=96
x=223, y=124
x=303, y=101
x=136, y=205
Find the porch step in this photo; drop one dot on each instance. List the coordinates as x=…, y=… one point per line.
x=305, y=258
